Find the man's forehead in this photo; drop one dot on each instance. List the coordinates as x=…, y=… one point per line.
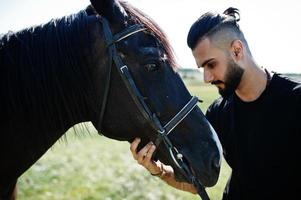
x=202, y=51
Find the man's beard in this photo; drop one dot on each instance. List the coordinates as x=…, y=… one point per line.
x=232, y=79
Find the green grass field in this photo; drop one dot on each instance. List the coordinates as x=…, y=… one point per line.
x=89, y=166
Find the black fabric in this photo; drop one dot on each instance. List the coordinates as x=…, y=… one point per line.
x=261, y=141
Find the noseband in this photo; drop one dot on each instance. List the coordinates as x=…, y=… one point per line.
x=162, y=131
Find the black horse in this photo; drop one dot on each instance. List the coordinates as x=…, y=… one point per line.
x=58, y=74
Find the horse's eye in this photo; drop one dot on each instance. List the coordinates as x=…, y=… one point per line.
x=151, y=67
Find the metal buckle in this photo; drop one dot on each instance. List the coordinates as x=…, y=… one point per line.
x=124, y=66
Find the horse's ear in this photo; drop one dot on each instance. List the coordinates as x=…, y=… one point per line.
x=110, y=9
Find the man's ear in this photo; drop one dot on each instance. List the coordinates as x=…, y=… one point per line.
x=110, y=9
x=237, y=49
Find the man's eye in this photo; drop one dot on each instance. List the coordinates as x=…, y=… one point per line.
x=151, y=67
x=211, y=65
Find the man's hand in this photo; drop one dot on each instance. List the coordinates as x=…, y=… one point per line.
x=165, y=172
x=144, y=157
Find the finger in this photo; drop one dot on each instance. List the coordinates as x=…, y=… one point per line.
x=142, y=153
x=148, y=162
x=149, y=153
x=134, y=146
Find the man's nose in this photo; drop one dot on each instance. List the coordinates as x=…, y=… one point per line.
x=208, y=77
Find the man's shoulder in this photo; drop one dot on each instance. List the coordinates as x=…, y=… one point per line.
x=220, y=109
x=286, y=80
x=220, y=115
x=221, y=103
x=217, y=102
x=288, y=84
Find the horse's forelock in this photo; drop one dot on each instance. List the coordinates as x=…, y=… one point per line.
x=154, y=28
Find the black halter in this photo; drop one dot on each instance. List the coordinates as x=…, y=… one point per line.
x=162, y=131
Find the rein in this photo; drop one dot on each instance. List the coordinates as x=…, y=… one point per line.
x=162, y=131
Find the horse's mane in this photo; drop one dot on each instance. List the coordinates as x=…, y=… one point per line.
x=37, y=65
x=149, y=23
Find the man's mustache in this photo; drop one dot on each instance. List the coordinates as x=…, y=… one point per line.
x=216, y=82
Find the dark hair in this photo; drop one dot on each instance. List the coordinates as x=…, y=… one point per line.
x=209, y=23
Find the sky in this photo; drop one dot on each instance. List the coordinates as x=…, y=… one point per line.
x=272, y=28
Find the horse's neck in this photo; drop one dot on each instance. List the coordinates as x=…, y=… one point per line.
x=51, y=79
x=45, y=89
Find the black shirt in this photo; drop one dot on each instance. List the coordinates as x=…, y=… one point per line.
x=261, y=141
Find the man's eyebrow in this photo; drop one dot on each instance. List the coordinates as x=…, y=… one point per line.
x=206, y=62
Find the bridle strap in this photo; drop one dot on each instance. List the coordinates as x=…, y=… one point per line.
x=123, y=69
x=162, y=131
x=169, y=126
x=111, y=48
x=126, y=33
x=106, y=92
x=181, y=115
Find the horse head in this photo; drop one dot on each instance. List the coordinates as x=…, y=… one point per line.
x=149, y=60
